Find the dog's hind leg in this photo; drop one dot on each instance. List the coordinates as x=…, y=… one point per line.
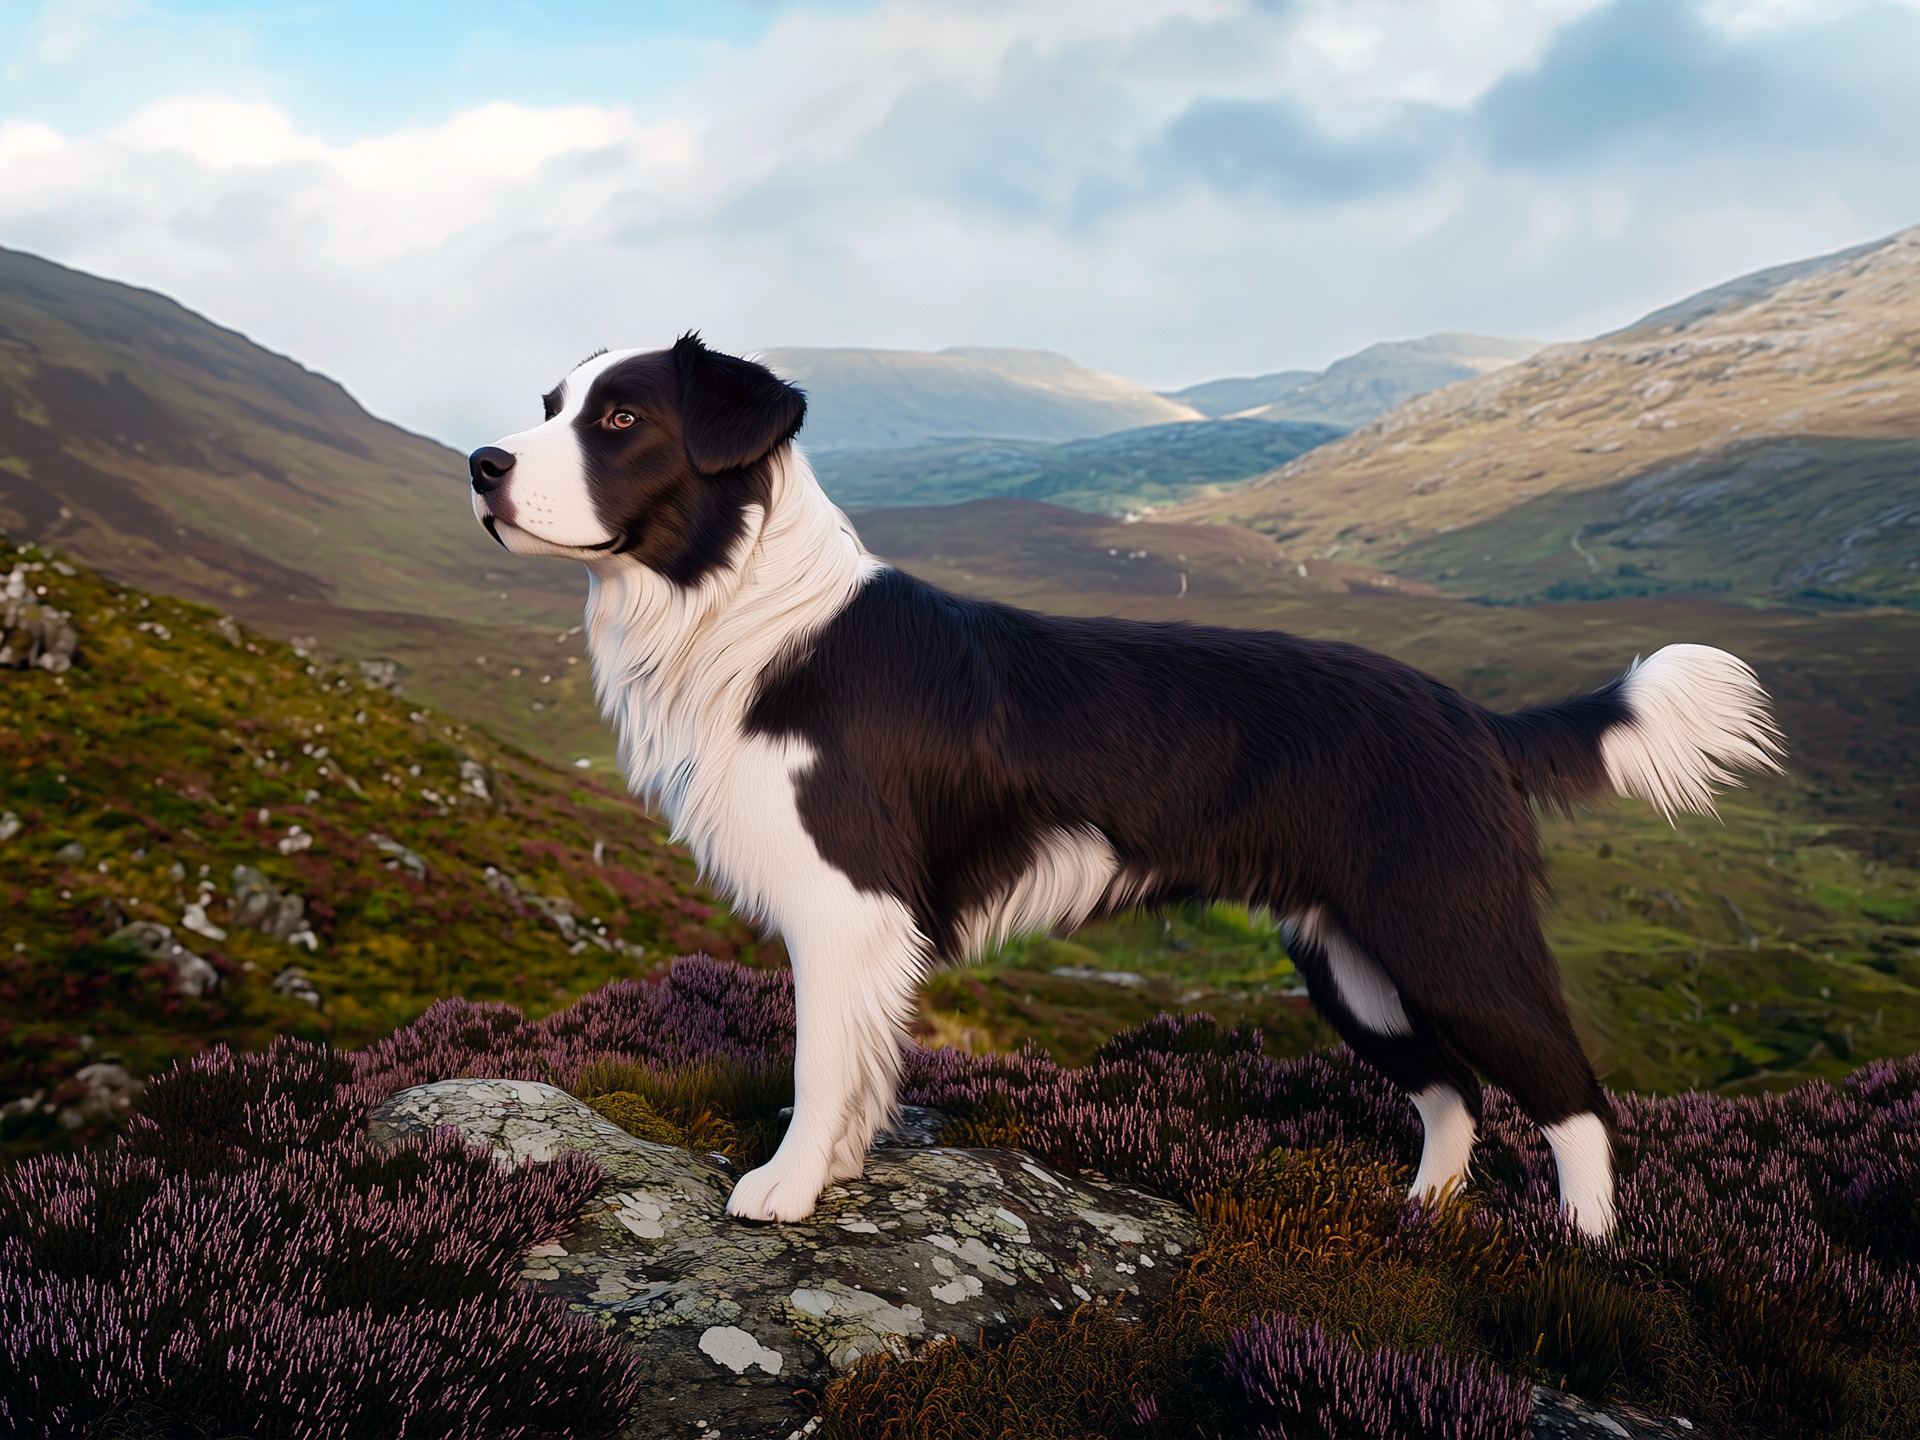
x=855, y=964
x=1362, y=1003
x=1512, y=1024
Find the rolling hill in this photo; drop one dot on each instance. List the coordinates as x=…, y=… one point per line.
x=1763, y=436
x=1360, y=387
x=1109, y=475
x=874, y=399
x=179, y=456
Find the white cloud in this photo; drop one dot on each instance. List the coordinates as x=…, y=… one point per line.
x=928, y=173
x=1435, y=52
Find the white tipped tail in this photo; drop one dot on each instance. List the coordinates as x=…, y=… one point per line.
x=1699, y=718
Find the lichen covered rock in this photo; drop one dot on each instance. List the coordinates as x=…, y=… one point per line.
x=731, y=1318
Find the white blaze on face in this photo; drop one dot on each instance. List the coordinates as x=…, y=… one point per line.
x=546, y=498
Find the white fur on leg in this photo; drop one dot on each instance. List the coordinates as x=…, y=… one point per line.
x=857, y=957
x=1363, y=987
x=1583, y=1154
x=677, y=668
x=1447, y=1149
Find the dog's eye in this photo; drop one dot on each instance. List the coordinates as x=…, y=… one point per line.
x=623, y=420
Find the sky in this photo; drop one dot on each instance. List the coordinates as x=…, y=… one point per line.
x=444, y=206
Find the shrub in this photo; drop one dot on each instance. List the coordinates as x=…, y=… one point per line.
x=703, y=1010
x=1294, y=1380
x=1763, y=1277
x=242, y=1262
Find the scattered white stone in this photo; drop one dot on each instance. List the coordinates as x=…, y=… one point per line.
x=1126, y=979
x=817, y=1303
x=734, y=1348
x=1115, y=1227
x=195, y=919
x=961, y=1287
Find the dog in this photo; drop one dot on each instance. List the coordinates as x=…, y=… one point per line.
x=893, y=777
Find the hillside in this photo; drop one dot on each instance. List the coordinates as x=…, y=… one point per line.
x=180, y=457
x=328, y=858
x=1109, y=475
x=1761, y=436
x=1360, y=387
x=867, y=399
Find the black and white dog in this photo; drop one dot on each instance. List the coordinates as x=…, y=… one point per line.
x=891, y=776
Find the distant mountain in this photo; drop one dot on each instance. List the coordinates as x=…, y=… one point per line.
x=179, y=456
x=871, y=399
x=1361, y=387
x=1111, y=475
x=1760, y=437
x=1237, y=394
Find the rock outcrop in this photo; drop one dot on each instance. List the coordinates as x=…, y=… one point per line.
x=738, y=1323
x=32, y=634
x=733, y=1318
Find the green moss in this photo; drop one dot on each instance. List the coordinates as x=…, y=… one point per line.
x=171, y=761
x=716, y=1107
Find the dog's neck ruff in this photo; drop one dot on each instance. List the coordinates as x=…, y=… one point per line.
x=675, y=667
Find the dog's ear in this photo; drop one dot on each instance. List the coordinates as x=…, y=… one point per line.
x=732, y=412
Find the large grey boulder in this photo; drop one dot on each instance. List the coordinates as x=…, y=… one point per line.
x=732, y=1317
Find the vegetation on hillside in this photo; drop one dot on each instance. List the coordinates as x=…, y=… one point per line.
x=179, y=456
x=1761, y=439
x=1761, y=1283
x=339, y=856
x=1109, y=475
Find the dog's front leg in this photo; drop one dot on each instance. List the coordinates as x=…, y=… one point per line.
x=853, y=983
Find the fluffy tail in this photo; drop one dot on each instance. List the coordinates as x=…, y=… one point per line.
x=1685, y=719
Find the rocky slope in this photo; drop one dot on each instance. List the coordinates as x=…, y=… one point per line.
x=207, y=835
x=1758, y=437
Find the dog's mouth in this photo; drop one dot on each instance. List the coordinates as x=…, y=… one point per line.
x=492, y=525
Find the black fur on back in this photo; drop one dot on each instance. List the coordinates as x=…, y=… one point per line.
x=955, y=735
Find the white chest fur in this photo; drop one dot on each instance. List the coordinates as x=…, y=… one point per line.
x=676, y=668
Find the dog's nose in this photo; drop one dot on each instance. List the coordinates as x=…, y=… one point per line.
x=489, y=466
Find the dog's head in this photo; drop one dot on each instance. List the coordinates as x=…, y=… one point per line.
x=655, y=455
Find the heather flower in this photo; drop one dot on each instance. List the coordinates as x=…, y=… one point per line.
x=1296, y=1382
x=243, y=1262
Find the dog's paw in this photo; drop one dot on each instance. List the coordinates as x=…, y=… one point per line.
x=775, y=1192
x=849, y=1160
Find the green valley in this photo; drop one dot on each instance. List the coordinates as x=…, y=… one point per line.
x=1130, y=470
